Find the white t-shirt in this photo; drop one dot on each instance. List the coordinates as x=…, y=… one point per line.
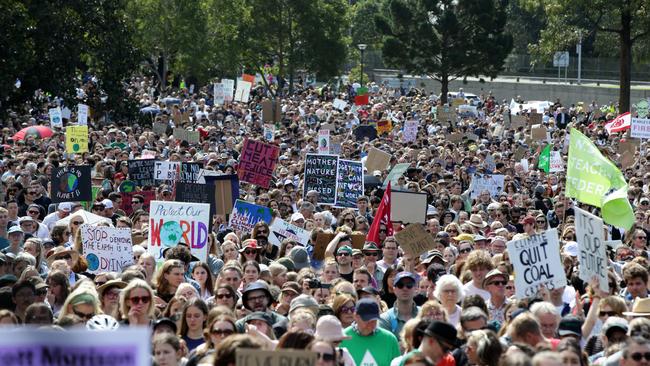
x=470, y=289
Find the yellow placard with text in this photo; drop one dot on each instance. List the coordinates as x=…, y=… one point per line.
x=76, y=139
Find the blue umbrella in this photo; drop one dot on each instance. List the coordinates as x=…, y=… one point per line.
x=170, y=100
x=150, y=110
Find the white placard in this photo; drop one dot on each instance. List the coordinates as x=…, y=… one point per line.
x=557, y=163
x=492, y=182
x=82, y=114
x=243, y=91
x=56, y=117
x=640, y=128
x=324, y=141
x=410, y=130
x=219, y=94
x=339, y=104
x=593, y=249
x=106, y=249
x=536, y=262
x=281, y=229
x=166, y=170
x=228, y=89
x=269, y=132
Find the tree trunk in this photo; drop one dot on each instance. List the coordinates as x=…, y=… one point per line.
x=444, y=87
x=625, y=62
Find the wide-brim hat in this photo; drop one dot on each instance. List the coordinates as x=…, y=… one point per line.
x=477, y=221
x=443, y=332
x=58, y=252
x=112, y=283
x=641, y=307
x=492, y=274
x=329, y=329
x=250, y=243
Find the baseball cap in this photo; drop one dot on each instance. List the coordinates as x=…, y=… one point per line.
x=402, y=275
x=65, y=206
x=367, y=309
x=570, y=326
x=107, y=203
x=345, y=248
x=15, y=229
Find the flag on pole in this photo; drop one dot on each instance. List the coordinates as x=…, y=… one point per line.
x=362, y=96
x=593, y=179
x=382, y=217
x=545, y=159
x=620, y=123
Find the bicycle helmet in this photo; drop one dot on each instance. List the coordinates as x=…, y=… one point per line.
x=102, y=322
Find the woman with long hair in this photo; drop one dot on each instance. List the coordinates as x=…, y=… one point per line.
x=224, y=295
x=250, y=251
x=168, y=278
x=195, y=314
x=483, y=348
x=229, y=251
x=57, y=291
x=344, y=309
x=136, y=303
x=82, y=302
x=251, y=270
x=201, y=273
x=217, y=329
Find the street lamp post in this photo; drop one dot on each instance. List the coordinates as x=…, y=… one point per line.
x=362, y=47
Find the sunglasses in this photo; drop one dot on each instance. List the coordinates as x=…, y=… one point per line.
x=370, y=254
x=222, y=332
x=606, y=313
x=510, y=287
x=344, y=254
x=326, y=356
x=401, y=285
x=640, y=237
x=466, y=250
x=85, y=316
x=498, y=283
x=135, y=202
x=250, y=251
x=541, y=221
x=65, y=257
x=140, y=299
x=77, y=222
x=638, y=356
x=224, y=296
x=262, y=232
x=32, y=212
x=348, y=309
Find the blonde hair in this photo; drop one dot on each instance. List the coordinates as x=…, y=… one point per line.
x=124, y=295
x=85, y=294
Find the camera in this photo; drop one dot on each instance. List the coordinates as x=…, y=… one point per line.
x=317, y=284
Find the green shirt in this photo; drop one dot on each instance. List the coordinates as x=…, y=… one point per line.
x=377, y=349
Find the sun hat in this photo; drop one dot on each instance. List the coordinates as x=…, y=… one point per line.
x=443, y=332
x=641, y=307
x=58, y=252
x=492, y=274
x=110, y=284
x=477, y=221
x=304, y=301
x=329, y=329
x=249, y=243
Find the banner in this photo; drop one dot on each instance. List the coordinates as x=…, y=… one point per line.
x=323, y=141
x=593, y=250
x=190, y=172
x=410, y=130
x=228, y=89
x=82, y=114
x=493, y=183
x=127, y=346
x=219, y=94
x=71, y=183
x=245, y=215
x=106, y=249
x=166, y=170
x=243, y=91
x=640, y=128
x=281, y=230
x=127, y=203
x=415, y=240
x=320, y=176
x=349, y=183
x=536, y=262
x=173, y=222
x=226, y=192
x=257, y=162
x=142, y=172
x=76, y=139
x=595, y=180
x=192, y=137
x=557, y=163
x=196, y=193
x=56, y=117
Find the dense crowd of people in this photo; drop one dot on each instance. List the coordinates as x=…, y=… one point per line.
x=374, y=305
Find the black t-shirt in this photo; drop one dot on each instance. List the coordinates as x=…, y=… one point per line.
x=348, y=276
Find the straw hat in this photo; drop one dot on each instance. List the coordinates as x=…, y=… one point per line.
x=59, y=252
x=477, y=221
x=641, y=307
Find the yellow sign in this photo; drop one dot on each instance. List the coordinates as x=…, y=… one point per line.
x=384, y=127
x=76, y=139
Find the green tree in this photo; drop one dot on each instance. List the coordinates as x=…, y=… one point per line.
x=567, y=20
x=446, y=39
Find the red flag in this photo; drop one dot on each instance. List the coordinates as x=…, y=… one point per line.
x=620, y=123
x=382, y=217
x=361, y=99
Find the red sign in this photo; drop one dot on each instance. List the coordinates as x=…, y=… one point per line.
x=257, y=162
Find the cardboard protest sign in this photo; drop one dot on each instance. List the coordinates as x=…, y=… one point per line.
x=66, y=113
x=408, y=207
x=166, y=170
x=349, y=183
x=159, y=128
x=556, y=163
x=226, y=192
x=281, y=230
x=320, y=175
x=322, y=239
x=189, y=172
x=248, y=77
x=323, y=141
x=517, y=121
x=339, y=104
x=142, y=172
x=410, y=130
x=219, y=94
x=228, y=89
x=34, y=346
x=71, y=183
x=536, y=262
x=76, y=139
x=445, y=115
x=256, y=357
x=245, y=215
x=127, y=203
x=173, y=222
x=384, y=127
x=377, y=160
x=257, y=162
x=627, y=150
x=455, y=137
x=106, y=249
x=82, y=114
x=535, y=119
x=192, y=137
x=457, y=102
x=365, y=131
x=538, y=133
x=493, y=183
x=197, y=193
x=415, y=240
x=243, y=92
x=593, y=250
x=395, y=173
x=640, y=128
x=56, y=117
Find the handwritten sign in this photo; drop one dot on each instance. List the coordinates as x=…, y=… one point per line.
x=197, y=193
x=219, y=94
x=82, y=114
x=349, y=183
x=493, y=183
x=281, y=230
x=257, y=162
x=557, y=163
x=76, y=139
x=269, y=132
x=228, y=89
x=536, y=261
x=415, y=240
x=142, y=172
x=56, y=117
x=173, y=222
x=245, y=215
x=166, y=170
x=323, y=141
x=593, y=250
x=106, y=249
x=190, y=172
x=71, y=183
x=255, y=357
x=410, y=130
x=339, y=104
x=192, y=137
x=377, y=160
x=640, y=128
x=243, y=91
x=320, y=175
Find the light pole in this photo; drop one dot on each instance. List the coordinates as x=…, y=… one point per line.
x=362, y=47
